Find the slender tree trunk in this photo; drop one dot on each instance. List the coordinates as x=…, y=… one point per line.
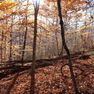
x=25, y=33
x=56, y=36
x=65, y=46
x=24, y=43
x=5, y=58
x=1, y=46
x=10, y=55
x=32, y=88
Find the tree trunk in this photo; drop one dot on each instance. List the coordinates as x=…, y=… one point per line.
x=65, y=46
x=24, y=43
x=10, y=55
x=1, y=47
x=32, y=88
x=25, y=33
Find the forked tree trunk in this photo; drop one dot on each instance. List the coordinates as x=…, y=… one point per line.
x=65, y=46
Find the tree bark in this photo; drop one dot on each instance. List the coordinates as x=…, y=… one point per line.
x=65, y=46
x=10, y=55
x=25, y=38
x=32, y=88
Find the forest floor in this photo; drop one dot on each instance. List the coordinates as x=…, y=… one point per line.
x=50, y=80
